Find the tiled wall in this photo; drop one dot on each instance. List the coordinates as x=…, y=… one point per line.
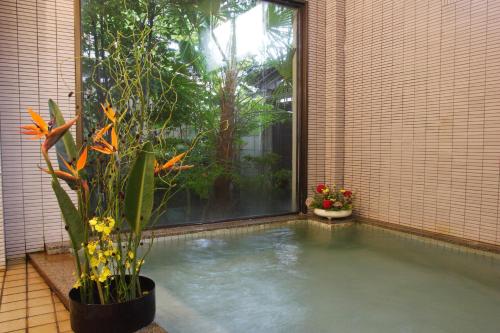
x=36, y=63
x=335, y=93
x=316, y=92
x=422, y=113
x=2, y=238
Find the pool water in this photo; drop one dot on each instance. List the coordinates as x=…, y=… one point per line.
x=302, y=278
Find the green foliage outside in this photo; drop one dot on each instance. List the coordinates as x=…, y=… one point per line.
x=159, y=47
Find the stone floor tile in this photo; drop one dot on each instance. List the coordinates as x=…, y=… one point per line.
x=18, y=324
x=12, y=315
x=42, y=319
x=41, y=309
x=13, y=298
x=39, y=293
x=14, y=283
x=35, y=279
x=37, y=286
x=12, y=306
x=47, y=328
x=64, y=326
x=39, y=301
x=14, y=290
x=62, y=315
x=59, y=306
x=15, y=277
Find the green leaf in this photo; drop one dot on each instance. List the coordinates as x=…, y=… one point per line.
x=70, y=151
x=139, y=194
x=209, y=7
x=66, y=147
x=71, y=216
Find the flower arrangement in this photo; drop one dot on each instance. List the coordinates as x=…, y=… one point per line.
x=330, y=198
x=105, y=240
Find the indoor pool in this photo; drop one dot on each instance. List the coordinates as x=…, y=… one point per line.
x=303, y=278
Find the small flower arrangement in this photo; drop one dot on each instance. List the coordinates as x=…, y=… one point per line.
x=331, y=199
x=106, y=240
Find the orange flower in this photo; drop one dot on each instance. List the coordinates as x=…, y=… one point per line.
x=100, y=133
x=74, y=172
x=80, y=164
x=82, y=160
x=103, y=146
x=109, y=112
x=170, y=165
x=62, y=175
x=39, y=129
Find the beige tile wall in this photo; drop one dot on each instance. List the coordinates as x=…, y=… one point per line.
x=316, y=92
x=36, y=63
x=335, y=93
x=422, y=113
x=2, y=238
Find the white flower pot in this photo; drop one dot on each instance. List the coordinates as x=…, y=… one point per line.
x=331, y=214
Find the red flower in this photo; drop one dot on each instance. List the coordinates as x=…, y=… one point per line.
x=327, y=204
x=347, y=194
x=320, y=188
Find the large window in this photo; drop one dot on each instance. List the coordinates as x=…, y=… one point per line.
x=219, y=79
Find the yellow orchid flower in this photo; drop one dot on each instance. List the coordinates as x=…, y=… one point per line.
x=99, y=227
x=93, y=222
x=105, y=273
x=94, y=262
x=77, y=284
x=106, y=230
x=91, y=247
x=111, y=222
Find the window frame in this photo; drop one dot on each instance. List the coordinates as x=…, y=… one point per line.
x=302, y=102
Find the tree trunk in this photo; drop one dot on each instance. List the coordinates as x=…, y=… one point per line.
x=97, y=59
x=225, y=141
x=225, y=149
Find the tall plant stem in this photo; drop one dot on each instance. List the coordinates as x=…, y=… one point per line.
x=99, y=287
x=54, y=179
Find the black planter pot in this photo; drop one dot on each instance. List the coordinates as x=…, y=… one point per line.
x=126, y=317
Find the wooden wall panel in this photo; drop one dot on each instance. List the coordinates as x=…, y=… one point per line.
x=2, y=235
x=422, y=114
x=316, y=77
x=36, y=63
